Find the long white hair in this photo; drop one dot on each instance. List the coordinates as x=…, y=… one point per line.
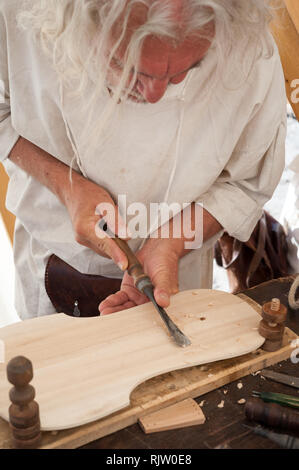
x=77, y=35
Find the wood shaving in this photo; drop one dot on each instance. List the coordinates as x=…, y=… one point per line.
x=202, y=403
x=225, y=391
x=256, y=373
x=242, y=401
x=221, y=404
x=172, y=387
x=240, y=385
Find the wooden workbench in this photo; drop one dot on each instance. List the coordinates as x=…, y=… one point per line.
x=224, y=426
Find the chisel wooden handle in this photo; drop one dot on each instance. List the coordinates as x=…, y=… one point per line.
x=135, y=268
x=272, y=415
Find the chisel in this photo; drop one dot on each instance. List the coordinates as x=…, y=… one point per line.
x=143, y=283
x=281, y=378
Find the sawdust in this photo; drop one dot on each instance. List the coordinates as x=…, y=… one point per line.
x=188, y=315
x=221, y=404
x=225, y=391
x=202, y=403
x=242, y=401
x=240, y=385
x=172, y=387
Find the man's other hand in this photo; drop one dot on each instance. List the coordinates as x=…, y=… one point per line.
x=159, y=258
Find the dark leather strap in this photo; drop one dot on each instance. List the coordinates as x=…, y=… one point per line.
x=74, y=293
x=262, y=257
x=260, y=252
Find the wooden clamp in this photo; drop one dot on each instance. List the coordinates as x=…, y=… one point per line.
x=271, y=327
x=24, y=411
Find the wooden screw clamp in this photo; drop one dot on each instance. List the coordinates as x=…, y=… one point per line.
x=271, y=327
x=24, y=411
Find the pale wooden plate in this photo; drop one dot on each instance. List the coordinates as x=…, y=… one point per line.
x=86, y=368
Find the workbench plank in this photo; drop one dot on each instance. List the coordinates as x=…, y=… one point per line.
x=166, y=390
x=86, y=368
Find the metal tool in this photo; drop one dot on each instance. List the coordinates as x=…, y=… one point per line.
x=272, y=415
x=281, y=378
x=279, y=398
x=283, y=440
x=143, y=283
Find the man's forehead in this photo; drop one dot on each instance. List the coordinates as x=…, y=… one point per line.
x=138, y=17
x=162, y=55
x=167, y=57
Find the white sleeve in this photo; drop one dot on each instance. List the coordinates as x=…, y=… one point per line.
x=237, y=198
x=250, y=176
x=8, y=136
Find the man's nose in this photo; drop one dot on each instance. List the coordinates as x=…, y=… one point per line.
x=152, y=89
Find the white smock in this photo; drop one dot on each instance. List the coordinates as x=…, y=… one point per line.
x=226, y=152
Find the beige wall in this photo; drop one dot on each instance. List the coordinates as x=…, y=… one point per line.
x=8, y=217
x=285, y=29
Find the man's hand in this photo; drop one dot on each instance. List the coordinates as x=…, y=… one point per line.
x=81, y=200
x=159, y=258
x=80, y=196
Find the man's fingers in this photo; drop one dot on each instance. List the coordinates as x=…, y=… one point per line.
x=166, y=284
x=108, y=311
x=101, y=243
x=114, y=300
x=134, y=294
x=115, y=224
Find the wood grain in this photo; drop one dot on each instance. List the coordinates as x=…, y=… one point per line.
x=287, y=39
x=159, y=392
x=86, y=369
x=181, y=415
x=293, y=9
x=8, y=217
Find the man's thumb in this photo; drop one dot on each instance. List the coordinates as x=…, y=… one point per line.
x=166, y=284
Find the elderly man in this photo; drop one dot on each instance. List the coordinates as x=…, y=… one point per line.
x=159, y=101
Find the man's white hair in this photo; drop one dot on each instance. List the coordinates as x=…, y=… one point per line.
x=77, y=34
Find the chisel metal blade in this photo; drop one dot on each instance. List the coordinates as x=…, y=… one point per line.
x=180, y=338
x=281, y=378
